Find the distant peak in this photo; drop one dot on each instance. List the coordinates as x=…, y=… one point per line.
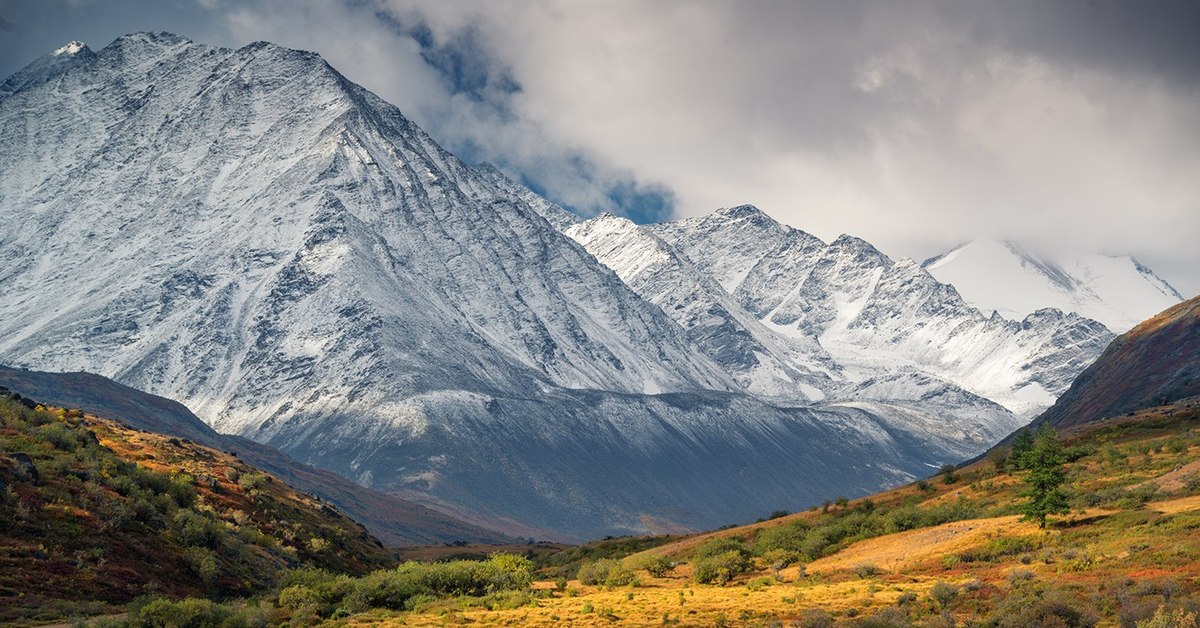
x=858, y=247
x=71, y=49
x=741, y=211
x=153, y=37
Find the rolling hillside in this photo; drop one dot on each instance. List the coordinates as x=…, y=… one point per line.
x=96, y=514
x=393, y=520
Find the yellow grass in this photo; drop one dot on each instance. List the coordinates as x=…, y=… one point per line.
x=896, y=552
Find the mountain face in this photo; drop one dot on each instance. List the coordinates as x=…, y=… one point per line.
x=393, y=520
x=251, y=234
x=1155, y=363
x=869, y=322
x=1008, y=278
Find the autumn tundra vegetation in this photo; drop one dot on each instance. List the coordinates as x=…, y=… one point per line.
x=1098, y=527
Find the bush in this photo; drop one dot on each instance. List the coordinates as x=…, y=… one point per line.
x=59, y=435
x=779, y=559
x=815, y=618
x=186, y=613
x=251, y=481
x=619, y=576
x=606, y=571
x=865, y=571
x=195, y=530
x=947, y=473
x=720, y=568
x=787, y=537
x=657, y=566
x=943, y=593
x=1163, y=618
x=595, y=572
x=720, y=546
x=204, y=564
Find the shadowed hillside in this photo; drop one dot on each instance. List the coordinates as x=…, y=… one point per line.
x=1157, y=362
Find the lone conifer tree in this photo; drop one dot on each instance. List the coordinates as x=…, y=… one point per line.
x=1021, y=445
x=1043, y=484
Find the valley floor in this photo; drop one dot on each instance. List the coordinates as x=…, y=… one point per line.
x=1129, y=548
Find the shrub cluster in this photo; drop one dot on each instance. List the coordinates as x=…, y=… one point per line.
x=836, y=529
x=606, y=571
x=720, y=560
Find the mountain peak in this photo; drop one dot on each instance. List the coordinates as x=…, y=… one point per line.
x=162, y=38
x=858, y=246
x=741, y=211
x=1016, y=280
x=47, y=67
x=72, y=48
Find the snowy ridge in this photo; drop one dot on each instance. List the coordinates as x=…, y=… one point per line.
x=764, y=363
x=1007, y=278
x=873, y=316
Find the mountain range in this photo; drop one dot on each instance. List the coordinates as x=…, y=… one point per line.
x=251, y=234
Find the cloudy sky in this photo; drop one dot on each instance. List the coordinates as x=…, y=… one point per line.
x=916, y=124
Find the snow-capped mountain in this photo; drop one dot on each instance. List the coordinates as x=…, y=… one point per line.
x=248, y=232
x=1008, y=278
x=251, y=234
x=795, y=319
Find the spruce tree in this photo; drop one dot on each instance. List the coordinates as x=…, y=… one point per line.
x=1043, y=483
x=1021, y=445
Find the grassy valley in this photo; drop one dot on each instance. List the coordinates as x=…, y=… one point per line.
x=951, y=550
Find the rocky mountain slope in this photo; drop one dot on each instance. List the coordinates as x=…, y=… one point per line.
x=880, y=329
x=393, y=520
x=1155, y=363
x=251, y=234
x=1008, y=278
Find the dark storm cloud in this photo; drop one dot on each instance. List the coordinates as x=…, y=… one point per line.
x=914, y=124
x=1154, y=36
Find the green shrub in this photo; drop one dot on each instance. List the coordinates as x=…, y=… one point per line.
x=720, y=546
x=296, y=596
x=59, y=435
x=720, y=568
x=779, y=559
x=619, y=576
x=595, y=572
x=186, y=613
x=658, y=566
x=204, y=564
x=251, y=481
x=196, y=530
x=943, y=593
x=786, y=537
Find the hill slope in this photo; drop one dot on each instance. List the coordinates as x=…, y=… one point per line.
x=393, y=520
x=1154, y=363
x=96, y=511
